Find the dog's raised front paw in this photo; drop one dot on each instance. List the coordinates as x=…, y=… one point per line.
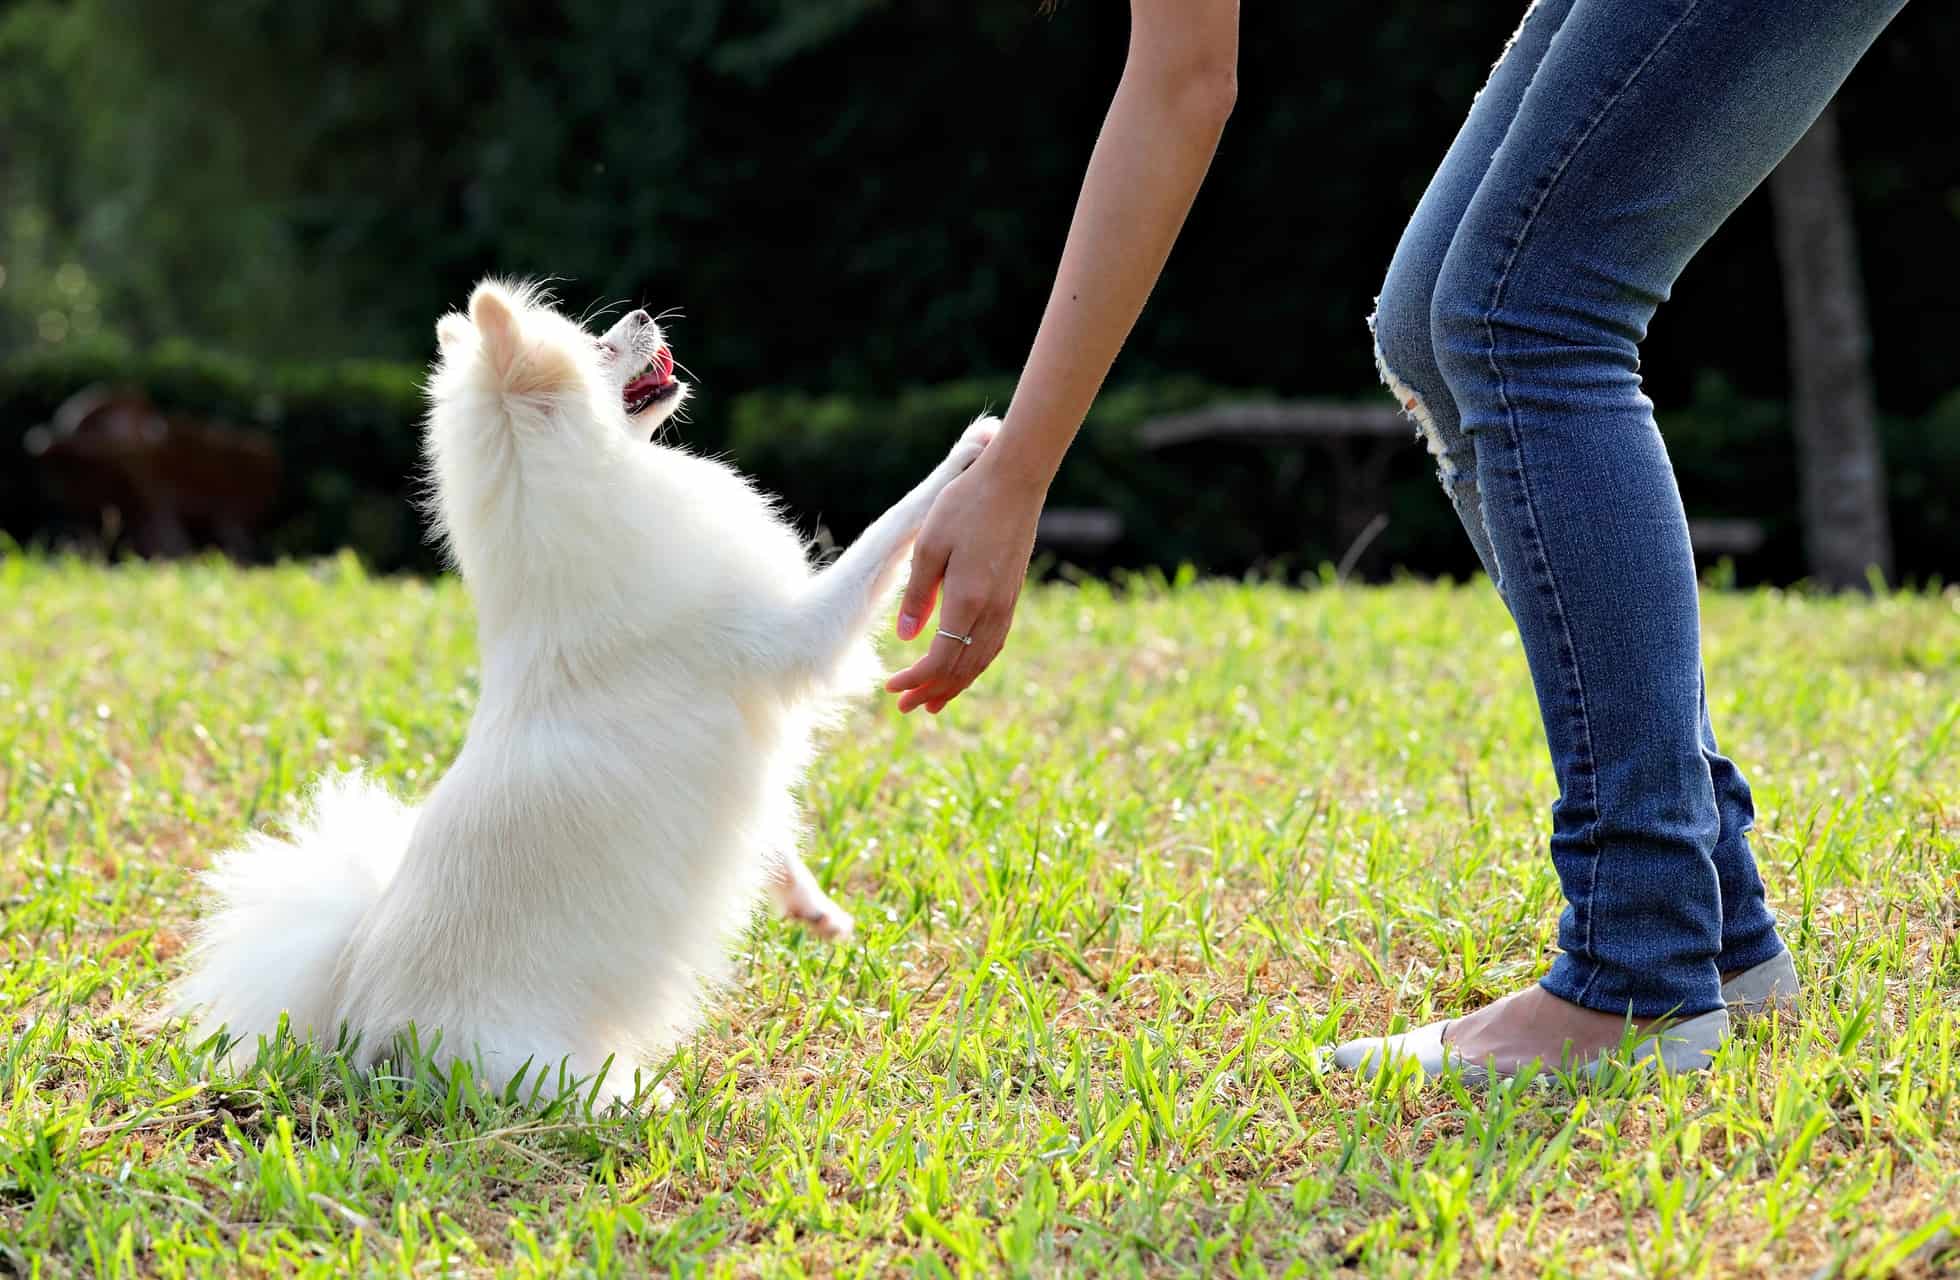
x=974, y=439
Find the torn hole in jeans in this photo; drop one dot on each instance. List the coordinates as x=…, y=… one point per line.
x=1416, y=409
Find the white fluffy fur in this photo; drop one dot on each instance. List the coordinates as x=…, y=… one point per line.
x=656, y=656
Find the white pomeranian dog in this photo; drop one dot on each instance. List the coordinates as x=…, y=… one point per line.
x=657, y=654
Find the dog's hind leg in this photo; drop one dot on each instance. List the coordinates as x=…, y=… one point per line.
x=835, y=611
x=799, y=897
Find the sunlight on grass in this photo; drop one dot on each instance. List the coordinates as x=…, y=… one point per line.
x=1110, y=905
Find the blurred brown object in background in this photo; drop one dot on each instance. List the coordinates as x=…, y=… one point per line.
x=160, y=484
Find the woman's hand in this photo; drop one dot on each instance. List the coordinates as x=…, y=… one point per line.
x=976, y=542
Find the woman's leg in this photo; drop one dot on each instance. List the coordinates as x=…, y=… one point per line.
x=1404, y=350
x=1644, y=126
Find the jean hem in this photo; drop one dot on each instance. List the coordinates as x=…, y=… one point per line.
x=1582, y=988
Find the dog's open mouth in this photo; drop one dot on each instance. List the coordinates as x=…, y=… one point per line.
x=653, y=384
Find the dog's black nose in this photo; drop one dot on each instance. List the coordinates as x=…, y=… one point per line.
x=640, y=319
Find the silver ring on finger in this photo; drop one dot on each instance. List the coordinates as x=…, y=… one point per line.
x=966, y=640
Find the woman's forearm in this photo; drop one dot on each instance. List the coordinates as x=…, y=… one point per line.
x=1156, y=143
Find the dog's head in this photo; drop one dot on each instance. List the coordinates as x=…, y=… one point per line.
x=537, y=434
x=513, y=344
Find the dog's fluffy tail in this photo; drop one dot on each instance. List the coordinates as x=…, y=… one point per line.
x=281, y=912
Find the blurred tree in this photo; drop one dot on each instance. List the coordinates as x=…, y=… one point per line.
x=1846, y=531
x=134, y=204
x=843, y=194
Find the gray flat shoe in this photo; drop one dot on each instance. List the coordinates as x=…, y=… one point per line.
x=1688, y=1045
x=1770, y=986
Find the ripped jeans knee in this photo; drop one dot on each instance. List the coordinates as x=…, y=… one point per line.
x=1405, y=358
x=1416, y=409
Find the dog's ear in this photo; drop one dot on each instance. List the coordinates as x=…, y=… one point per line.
x=496, y=324
x=453, y=333
x=520, y=368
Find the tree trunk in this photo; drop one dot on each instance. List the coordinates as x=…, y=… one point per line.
x=1846, y=533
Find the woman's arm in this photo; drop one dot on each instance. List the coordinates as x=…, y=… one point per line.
x=1178, y=86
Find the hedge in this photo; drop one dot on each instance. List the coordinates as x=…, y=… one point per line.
x=349, y=434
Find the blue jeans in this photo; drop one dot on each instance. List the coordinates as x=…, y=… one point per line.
x=1612, y=140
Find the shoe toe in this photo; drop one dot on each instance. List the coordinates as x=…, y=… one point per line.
x=1353, y=1054
x=1423, y=1046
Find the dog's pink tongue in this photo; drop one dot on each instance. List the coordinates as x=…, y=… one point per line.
x=654, y=378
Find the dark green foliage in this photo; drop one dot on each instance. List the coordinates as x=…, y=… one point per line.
x=350, y=434
x=851, y=195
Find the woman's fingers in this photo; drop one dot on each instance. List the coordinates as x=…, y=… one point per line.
x=923, y=677
x=917, y=698
x=978, y=659
x=949, y=666
x=921, y=586
x=943, y=682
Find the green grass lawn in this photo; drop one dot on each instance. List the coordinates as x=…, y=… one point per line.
x=1110, y=906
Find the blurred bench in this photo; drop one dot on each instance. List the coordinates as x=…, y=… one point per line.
x=1721, y=537
x=1359, y=443
x=1086, y=532
x=1284, y=422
